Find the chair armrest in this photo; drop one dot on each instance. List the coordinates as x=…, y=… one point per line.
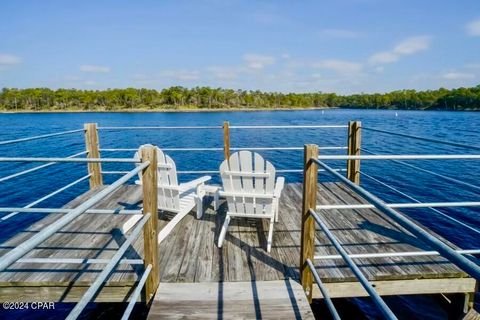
x=194, y=183
x=278, y=187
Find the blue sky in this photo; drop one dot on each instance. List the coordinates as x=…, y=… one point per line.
x=343, y=46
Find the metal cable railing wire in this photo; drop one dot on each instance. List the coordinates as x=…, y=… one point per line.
x=418, y=201
x=66, y=210
x=221, y=149
x=401, y=156
x=385, y=310
x=324, y=291
x=136, y=294
x=465, y=264
x=399, y=205
x=454, y=144
x=25, y=247
x=107, y=270
x=21, y=173
x=48, y=196
x=428, y=171
x=392, y=254
x=39, y=137
x=43, y=159
x=159, y=127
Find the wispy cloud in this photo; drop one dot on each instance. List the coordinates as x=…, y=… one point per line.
x=224, y=73
x=181, y=75
x=9, y=59
x=473, y=28
x=412, y=45
x=340, y=33
x=340, y=66
x=453, y=75
x=94, y=69
x=258, y=61
x=408, y=46
x=383, y=57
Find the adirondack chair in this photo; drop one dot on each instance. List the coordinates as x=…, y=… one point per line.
x=251, y=191
x=173, y=197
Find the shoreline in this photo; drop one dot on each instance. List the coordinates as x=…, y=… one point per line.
x=210, y=110
x=181, y=110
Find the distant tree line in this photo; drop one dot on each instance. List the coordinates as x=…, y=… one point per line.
x=44, y=99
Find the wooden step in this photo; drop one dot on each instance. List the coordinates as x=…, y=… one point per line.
x=279, y=299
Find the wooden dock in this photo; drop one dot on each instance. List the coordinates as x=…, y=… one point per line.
x=189, y=256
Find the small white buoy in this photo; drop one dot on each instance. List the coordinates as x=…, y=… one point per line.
x=396, y=114
x=322, y=111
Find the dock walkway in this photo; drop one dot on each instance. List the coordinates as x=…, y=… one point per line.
x=189, y=254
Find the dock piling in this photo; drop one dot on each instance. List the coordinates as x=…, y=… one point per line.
x=93, y=151
x=354, y=144
x=150, y=230
x=226, y=139
x=310, y=177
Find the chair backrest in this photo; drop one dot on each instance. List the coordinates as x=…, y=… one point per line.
x=168, y=194
x=251, y=181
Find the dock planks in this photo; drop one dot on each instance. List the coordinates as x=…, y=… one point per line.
x=279, y=299
x=190, y=255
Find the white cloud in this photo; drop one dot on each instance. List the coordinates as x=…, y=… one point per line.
x=182, y=75
x=285, y=56
x=223, y=73
x=340, y=33
x=340, y=66
x=453, y=75
x=383, y=57
x=9, y=59
x=94, y=69
x=473, y=28
x=406, y=47
x=257, y=61
x=90, y=83
x=412, y=45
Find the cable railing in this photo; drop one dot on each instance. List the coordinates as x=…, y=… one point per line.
x=315, y=162
x=431, y=206
x=94, y=176
x=446, y=251
x=382, y=306
x=10, y=257
x=426, y=139
x=231, y=149
x=30, y=170
x=353, y=157
x=108, y=269
x=56, y=134
x=447, y=178
x=48, y=196
x=16, y=255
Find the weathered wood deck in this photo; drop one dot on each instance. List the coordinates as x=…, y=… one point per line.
x=278, y=299
x=190, y=254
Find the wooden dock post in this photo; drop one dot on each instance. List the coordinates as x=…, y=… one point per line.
x=93, y=151
x=354, y=144
x=310, y=176
x=226, y=139
x=150, y=230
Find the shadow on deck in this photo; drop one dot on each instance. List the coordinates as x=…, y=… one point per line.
x=190, y=255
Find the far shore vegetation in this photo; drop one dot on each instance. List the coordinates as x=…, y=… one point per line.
x=206, y=98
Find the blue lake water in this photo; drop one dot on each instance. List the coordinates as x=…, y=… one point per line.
x=460, y=127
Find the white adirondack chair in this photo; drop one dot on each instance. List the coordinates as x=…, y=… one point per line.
x=173, y=197
x=251, y=191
